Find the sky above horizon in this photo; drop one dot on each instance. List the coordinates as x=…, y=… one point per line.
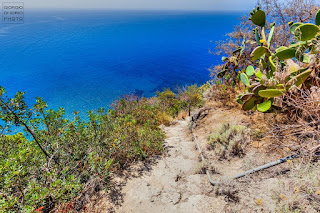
x=215, y=5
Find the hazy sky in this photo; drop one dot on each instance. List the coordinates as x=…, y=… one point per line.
x=142, y=4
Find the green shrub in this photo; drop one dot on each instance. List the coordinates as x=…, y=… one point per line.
x=186, y=98
x=169, y=102
x=229, y=140
x=192, y=96
x=55, y=159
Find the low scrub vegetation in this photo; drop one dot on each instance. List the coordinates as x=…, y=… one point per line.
x=229, y=140
x=54, y=162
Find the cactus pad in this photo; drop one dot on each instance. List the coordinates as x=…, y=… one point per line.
x=294, y=26
x=300, y=79
x=272, y=64
x=270, y=36
x=244, y=79
x=265, y=106
x=250, y=70
x=270, y=93
x=246, y=96
x=318, y=18
x=249, y=103
x=258, y=18
x=258, y=74
x=306, y=32
x=257, y=88
x=258, y=52
x=283, y=53
x=257, y=37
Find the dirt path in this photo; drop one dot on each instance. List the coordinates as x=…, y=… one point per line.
x=176, y=181
x=174, y=184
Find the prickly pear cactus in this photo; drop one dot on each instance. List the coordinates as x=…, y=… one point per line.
x=262, y=86
x=250, y=71
x=271, y=34
x=244, y=78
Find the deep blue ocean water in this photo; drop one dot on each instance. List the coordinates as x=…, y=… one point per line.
x=84, y=60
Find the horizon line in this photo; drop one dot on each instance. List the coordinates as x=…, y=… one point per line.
x=136, y=9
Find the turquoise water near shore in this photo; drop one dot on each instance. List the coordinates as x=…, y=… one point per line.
x=84, y=60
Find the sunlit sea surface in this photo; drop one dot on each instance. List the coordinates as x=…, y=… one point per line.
x=84, y=60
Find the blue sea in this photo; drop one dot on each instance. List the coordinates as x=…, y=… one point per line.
x=84, y=60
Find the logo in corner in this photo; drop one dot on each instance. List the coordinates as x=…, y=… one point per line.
x=13, y=12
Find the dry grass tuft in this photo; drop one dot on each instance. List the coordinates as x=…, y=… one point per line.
x=300, y=192
x=201, y=168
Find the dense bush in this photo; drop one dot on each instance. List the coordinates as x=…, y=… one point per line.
x=55, y=161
